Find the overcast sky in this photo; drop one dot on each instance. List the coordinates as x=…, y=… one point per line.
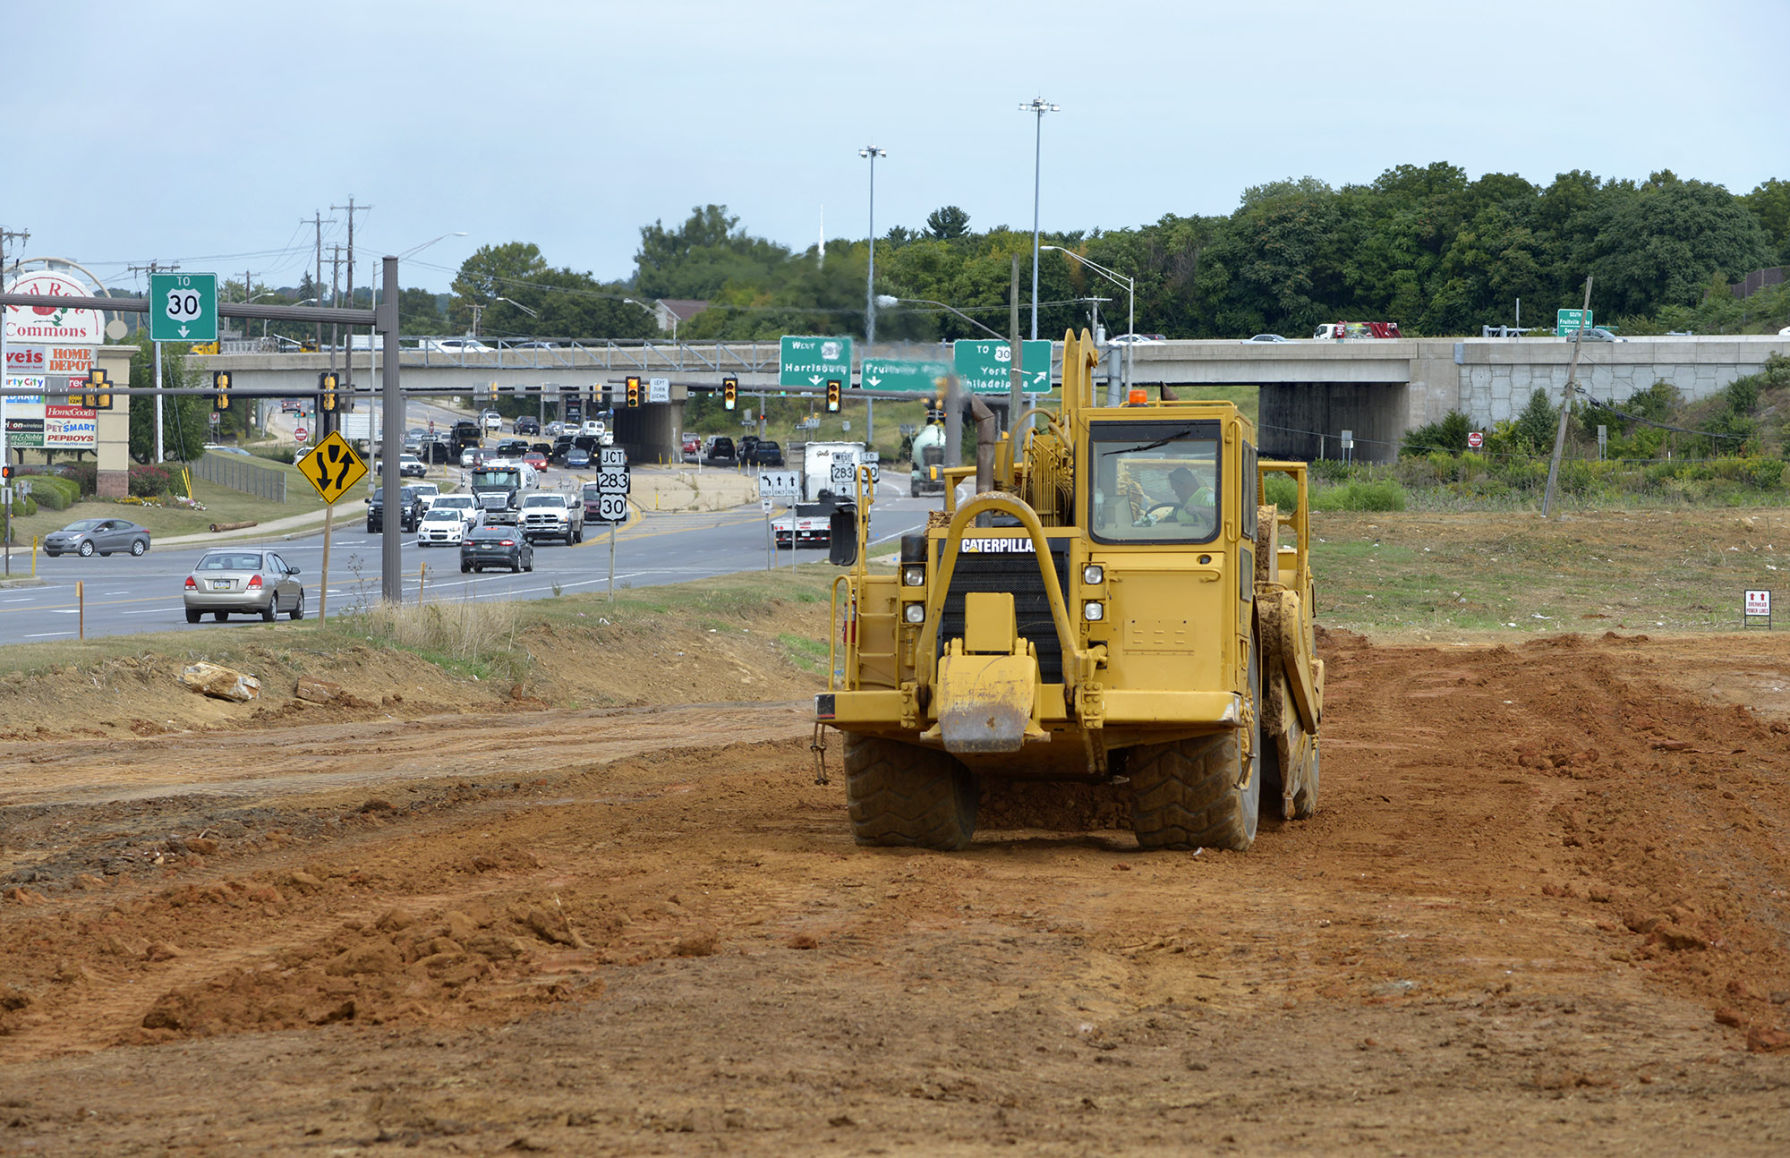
x=203, y=133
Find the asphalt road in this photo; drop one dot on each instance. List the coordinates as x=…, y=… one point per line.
x=124, y=595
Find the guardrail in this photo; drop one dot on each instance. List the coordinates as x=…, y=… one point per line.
x=239, y=474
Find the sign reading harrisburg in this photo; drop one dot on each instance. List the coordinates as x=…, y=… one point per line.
x=808, y=361
x=982, y=364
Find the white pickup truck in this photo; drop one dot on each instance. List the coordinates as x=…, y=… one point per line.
x=552, y=515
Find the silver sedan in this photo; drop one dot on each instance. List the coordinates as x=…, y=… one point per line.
x=248, y=582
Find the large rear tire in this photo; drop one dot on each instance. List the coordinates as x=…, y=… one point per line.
x=1201, y=793
x=902, y=794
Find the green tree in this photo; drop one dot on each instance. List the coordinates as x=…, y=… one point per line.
x=1770, y=203
x=947, y=223
x=494, y=271
x=702, y=256
x=420, y=312
x=186, y=418
x=1661, y=244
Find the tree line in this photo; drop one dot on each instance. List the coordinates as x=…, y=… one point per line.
x=1422, y=246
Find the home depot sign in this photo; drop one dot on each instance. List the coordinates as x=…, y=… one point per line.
x=75, y=361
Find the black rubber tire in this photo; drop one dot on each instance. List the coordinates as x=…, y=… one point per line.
x=903, y=794
x=272, y=609
x=516, y=567
x=529, y=566
x=465, y=568
x=138, y=547
x=1187, y=794
x=372, y=528
x=578, y=535
x=105, y=554
x=220, y=616
x=192, y=616
x=86, y=549
x=298, y=609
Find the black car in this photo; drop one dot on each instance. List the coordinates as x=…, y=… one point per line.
x=496, y=547
x=527, y=425
x=512, y=448
x=763, y=452
x=435, y=451
x=407, y=515
x=557, y=452
x=719, y=450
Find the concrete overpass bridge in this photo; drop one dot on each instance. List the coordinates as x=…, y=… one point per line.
x=1310, y=390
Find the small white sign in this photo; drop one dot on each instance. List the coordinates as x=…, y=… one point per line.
x=658, y=390
x=612, y=457
x=612, y=508
x=765, y=503
x=1758, y=603
x=301, y=434
x=1475, y=439
x=777, y=484
x=612, y=482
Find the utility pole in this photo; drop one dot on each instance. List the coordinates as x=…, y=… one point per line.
x=325, y=418
x=1572, y=383
x=318, y=221
x=348, y=370
x=7, y=235
x=153, y=268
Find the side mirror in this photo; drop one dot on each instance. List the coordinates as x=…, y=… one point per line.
x=292, y=570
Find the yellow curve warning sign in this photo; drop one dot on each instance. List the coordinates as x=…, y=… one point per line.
x=333, y=468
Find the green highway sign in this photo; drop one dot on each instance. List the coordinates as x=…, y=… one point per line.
x=1566, y=321
x=183, y=307
x=810, y=362
x=983, y=365
x=920, y=375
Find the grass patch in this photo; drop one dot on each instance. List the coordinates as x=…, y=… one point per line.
x=808, y=654
x=479, y=640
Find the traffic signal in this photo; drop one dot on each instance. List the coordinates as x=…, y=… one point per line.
x=833, y=395
x=97, y=396
x=6, y=473
x=326, y=385
x=730, y=390
x=220, y=384
x=633, y=391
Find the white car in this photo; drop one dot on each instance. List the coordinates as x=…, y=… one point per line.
x=441, y=527
x=466, y=506
x=410, y=466
x=1785, y=332
x=455, y=346
x=493, y=420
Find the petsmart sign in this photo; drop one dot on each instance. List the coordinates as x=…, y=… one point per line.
x=70, y=428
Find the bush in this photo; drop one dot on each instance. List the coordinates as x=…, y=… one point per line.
x=1450, y=434
x=1281, y=491
x=54, y=493
x=149, y=480
x=84, y=475
x=1361, y=495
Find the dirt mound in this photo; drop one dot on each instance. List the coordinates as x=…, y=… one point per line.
x=1543, y=905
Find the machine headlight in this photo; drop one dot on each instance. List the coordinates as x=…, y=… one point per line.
x=914, y=613
x=913, y=576
x=1093, y=574
x=1093, y=611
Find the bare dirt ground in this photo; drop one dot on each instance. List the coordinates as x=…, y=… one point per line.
x=1543, y=907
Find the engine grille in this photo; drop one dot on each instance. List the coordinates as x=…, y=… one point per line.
x=1018, y=574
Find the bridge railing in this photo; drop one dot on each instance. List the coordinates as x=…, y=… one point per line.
x=628, y=355
x=239, y=474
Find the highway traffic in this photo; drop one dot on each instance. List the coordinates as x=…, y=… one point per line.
x=122, y=595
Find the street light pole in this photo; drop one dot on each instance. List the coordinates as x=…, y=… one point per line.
x=872, y=152
x=1130, y=307
x=887, y=300
x=1038, y=106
